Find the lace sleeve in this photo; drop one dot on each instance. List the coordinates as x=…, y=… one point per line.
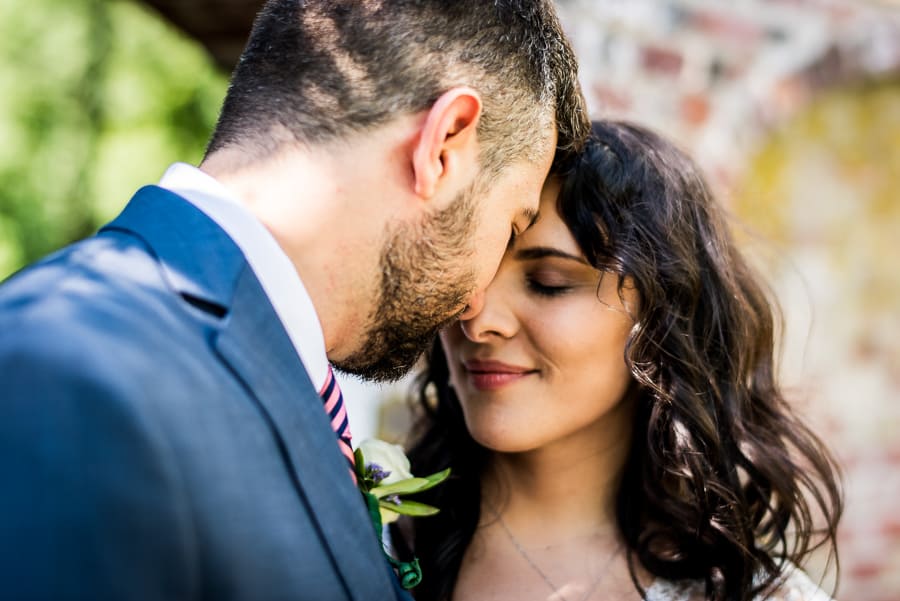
x=795, y=585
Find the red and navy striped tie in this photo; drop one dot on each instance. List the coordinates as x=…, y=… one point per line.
x=337, y=413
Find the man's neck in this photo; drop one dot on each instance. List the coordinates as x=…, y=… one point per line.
x=311, y=208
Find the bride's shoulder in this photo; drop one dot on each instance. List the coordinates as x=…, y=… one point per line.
x=793, y=585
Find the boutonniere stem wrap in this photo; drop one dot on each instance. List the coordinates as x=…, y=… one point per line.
x=382, y=471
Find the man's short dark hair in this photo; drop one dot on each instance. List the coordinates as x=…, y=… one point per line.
x=318, y=70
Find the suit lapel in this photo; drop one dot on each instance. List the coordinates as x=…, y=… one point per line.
x=202, y=262
x=256, y=347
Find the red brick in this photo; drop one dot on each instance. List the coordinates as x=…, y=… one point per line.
x=891, y=528
x=661, y=60
x=867, y=570
x=695, y=109
x=726, y=26
x=611, y=99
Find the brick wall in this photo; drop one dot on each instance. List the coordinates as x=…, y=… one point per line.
x=715, y=77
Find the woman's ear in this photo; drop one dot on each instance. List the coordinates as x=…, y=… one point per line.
x=447, y=148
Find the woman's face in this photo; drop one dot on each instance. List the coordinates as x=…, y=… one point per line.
x=543, y=361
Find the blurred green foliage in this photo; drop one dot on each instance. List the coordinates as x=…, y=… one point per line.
x=97, y=97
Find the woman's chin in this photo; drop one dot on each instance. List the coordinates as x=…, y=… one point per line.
x=503, y=442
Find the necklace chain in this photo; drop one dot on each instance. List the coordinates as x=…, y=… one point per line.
x=521, y=550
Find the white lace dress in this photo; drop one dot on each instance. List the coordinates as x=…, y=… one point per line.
x=795, y=585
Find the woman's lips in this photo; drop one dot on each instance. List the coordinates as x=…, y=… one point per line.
x=491, y=375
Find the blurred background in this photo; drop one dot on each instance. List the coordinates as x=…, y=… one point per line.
x=791, y=106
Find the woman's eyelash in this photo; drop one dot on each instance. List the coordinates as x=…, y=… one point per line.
x=545, y=290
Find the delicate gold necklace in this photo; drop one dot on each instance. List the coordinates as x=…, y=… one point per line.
x=521, y=550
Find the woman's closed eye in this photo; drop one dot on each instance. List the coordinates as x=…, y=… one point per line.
x=547, y=286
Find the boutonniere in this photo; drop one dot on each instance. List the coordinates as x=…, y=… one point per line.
x=384, y=478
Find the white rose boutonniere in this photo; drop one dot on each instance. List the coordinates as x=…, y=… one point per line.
x=384, y=478
x=389, y=459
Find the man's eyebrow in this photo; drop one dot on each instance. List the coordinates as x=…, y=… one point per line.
x=540, y=252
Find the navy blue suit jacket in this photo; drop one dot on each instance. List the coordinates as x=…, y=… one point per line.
x=159, y=437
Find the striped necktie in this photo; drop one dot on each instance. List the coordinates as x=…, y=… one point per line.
x=337, y=413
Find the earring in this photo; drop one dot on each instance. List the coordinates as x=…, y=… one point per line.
x=431, y=396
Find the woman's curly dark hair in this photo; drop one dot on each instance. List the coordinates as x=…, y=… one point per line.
x=723, y=482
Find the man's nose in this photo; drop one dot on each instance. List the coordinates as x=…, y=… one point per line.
x=476, y=304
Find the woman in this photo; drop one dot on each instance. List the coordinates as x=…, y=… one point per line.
x=612, y=416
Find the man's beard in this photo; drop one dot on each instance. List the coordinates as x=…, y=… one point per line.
x=425, y=280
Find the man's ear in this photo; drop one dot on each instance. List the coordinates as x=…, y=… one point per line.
x=448, y=146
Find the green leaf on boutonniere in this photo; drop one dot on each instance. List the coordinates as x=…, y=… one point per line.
x=435, y=479
x=359, y=464
x=409, y=508
x=404, y=487
x=410, y=485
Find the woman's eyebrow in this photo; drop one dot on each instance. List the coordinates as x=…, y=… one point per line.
x=540, y=252
x=530, y=215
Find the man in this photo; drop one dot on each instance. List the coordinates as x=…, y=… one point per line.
x=162, y=433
